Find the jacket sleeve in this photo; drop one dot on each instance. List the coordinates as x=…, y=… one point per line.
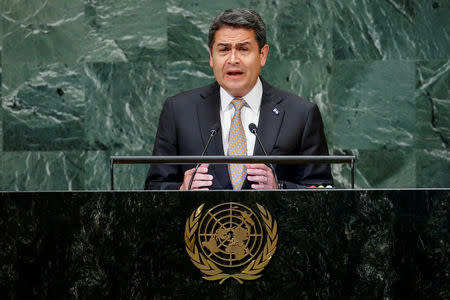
x=165, y=176
x=312, y=142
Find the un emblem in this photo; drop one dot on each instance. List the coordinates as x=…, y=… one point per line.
x=234, y=241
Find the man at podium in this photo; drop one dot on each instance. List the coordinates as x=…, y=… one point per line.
x=240, y=97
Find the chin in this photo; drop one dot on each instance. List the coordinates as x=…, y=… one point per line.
x=232, y=88
x=235, y=92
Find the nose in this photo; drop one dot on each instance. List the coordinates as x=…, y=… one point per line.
x=234, y=58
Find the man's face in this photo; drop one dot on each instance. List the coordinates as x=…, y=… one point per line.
x=236, y=59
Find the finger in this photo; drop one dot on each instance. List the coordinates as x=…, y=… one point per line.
x=187, y=179
x=203, y=168
x=203, y=189
x=199, y=184
x=189, y=172
x=262, y=187
x=200, y=176
x=258, y=186
x=257, y=166
x=256, y=172
x=258, y=179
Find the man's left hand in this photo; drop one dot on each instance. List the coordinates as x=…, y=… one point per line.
x=262, y=175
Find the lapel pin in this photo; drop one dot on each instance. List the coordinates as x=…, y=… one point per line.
x=276, y=111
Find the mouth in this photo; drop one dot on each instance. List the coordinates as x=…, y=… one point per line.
x=233, y=74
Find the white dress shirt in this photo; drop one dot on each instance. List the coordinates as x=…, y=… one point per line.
x=249, y=114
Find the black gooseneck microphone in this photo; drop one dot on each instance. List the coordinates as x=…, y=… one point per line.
x=214, y=130
x=253, y=129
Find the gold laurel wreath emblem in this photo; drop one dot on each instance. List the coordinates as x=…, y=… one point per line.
x=211, y=270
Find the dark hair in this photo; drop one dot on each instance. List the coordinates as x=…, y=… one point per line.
x=239, y=18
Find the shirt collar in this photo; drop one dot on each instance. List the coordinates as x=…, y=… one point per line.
x=252, y=99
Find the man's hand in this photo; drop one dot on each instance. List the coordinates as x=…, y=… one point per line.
x=201, y=180
x=262, y=175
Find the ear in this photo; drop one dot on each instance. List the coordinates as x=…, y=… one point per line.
x=263, y=54
x=210, y=58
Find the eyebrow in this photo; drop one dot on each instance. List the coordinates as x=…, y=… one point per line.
x=238, y=44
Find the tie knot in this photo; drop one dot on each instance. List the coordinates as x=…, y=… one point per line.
x=238, y=103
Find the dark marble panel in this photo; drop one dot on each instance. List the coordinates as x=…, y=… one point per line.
x=289, y=36
x=377, y=169
x=186, y=75
x=297, y=30
x=25, y=171
x=342, y=172
x=129, y=177
x=368, y=106
x=309, y=80
x=16, y=75
x=432, y=167
x=188, y=24
x=123, y=103
x=331, y=244
x=53, y=31
x=432, y=34
x=25, y=220
x=43, y=107
x=126, y=177
x=96, y=168
x=1, y=90
x=373, y=105
x=2, y=186
x=433, y=105
x=84, y=31
x=374, y=30
x=126, y=31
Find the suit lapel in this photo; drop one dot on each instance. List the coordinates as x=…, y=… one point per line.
x=270, y=119
x=208, y=112
x=269, y=124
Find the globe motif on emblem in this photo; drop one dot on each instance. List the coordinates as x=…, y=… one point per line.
x=230, y=234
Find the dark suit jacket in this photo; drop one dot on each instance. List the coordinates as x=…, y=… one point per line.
x=186, y=121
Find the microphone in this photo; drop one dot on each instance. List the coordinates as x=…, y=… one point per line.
x=214, y=130
x=253, y=129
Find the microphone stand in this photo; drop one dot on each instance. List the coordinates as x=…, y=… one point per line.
x=254, y=130
x=212, y=133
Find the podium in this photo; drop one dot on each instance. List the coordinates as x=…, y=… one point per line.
x=355, y=244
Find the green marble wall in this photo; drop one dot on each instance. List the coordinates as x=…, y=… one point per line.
x=85, y=79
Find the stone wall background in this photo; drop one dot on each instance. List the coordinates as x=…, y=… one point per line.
x=83, y=79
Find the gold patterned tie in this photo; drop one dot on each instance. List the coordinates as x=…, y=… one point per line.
x=237, y=145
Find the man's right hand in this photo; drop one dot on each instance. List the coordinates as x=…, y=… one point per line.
x=201, y=180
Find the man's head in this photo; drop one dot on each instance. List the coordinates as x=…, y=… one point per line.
x=238, y=49
x=239, y=18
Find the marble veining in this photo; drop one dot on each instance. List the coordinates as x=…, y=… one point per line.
x=361, y=244
x=88, y=78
